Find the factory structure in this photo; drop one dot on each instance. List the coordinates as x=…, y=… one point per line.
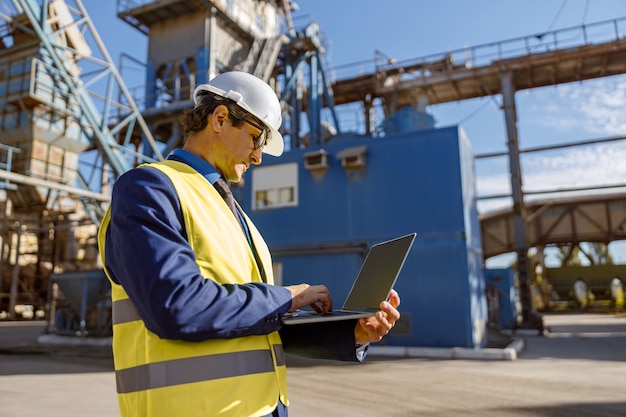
x=69, y=127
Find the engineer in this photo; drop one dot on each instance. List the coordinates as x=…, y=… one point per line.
x=196, y=318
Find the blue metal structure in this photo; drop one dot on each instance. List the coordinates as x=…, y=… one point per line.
x=502, y=284
x=356, y=191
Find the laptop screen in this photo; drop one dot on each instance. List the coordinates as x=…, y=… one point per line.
x=378, y=273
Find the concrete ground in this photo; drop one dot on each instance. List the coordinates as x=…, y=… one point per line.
x=577, y=369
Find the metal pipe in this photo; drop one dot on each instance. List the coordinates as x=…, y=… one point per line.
x=547, y=148
x=556, y=190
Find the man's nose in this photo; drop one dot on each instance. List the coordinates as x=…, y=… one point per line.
x=257, y=156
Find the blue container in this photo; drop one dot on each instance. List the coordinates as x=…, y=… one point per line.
x=359, y=191
x=503, y=281
x=407, y=119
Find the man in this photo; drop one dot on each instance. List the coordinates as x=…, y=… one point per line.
x=196, y=317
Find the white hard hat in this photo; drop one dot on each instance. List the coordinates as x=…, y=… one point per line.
x=253, y=95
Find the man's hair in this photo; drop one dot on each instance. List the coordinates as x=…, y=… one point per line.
x=196, y=119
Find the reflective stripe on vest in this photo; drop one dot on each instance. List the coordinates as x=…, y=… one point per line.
x=197, y=369
x=123, y=311
x=188, y=370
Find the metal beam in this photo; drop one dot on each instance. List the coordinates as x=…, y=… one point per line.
x=25, y=180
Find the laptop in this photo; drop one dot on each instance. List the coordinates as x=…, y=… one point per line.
x=376, y=278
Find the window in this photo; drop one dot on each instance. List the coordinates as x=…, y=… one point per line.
x=275, y=186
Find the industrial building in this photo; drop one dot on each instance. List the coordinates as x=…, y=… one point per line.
x=69, y=127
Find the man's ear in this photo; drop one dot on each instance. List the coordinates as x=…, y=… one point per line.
x=218, y=117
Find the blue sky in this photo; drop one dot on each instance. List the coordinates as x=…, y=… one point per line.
x=404, y=29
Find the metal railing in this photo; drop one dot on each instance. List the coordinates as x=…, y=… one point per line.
x=489, y=53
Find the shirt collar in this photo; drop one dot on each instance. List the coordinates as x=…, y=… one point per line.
x=203, y=167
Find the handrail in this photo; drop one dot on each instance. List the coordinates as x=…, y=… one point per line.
x=487, y=54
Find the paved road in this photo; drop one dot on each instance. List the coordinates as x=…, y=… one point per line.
x=578, y=369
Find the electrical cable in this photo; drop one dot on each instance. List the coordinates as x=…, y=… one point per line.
x=585, y=12
x=556, y=16
x=475, y=111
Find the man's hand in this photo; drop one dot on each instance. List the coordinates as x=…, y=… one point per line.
x=373, y=329
x=316, y=296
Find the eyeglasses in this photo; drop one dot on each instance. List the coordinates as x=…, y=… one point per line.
x=258, y=141
x=261, y=140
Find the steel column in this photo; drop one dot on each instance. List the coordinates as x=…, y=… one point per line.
x=510, y=115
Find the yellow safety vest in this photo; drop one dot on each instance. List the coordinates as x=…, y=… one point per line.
x=222, y=377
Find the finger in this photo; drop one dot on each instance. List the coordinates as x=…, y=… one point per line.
x=316, y=307
x=384, y=324
x=390, y=312
x=327, y=305
x=394, y=298
x=326, y=300
x=320, y=299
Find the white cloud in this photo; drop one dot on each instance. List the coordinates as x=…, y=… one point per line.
x=595, y=106
x=580, y=167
